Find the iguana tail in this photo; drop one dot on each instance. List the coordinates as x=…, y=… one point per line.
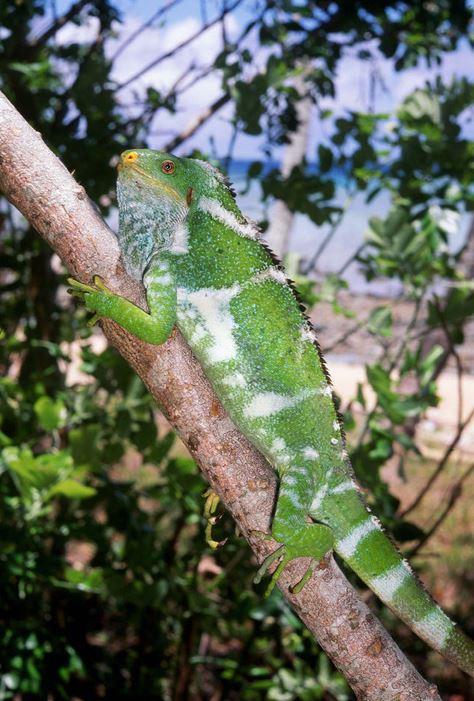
x=361, y=542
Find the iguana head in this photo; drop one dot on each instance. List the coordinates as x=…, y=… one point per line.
x=156, y=191
x=160, y=175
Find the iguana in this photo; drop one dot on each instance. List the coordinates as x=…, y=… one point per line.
x=205, y=270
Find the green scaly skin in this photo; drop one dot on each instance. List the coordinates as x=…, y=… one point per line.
x=182, y=234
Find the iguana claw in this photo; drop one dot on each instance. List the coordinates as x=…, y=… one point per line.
x=79, y=287
x=93, y=296
x=99, y=283
x=210, y=506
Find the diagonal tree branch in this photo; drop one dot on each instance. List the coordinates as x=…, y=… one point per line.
x=134, y=35
x=197, y=122
x=37, y=183
x=180, y=46
x=456, y=492
x=56, y=25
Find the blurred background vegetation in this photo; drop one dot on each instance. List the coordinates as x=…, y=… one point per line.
x=108, y=590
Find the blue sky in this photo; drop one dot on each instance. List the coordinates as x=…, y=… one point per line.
x=184, y=19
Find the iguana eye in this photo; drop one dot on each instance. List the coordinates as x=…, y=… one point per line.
x=168, y=167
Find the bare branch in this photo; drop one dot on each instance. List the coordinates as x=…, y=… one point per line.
x=351, y=259
x=134, y=35
x=441, y=465
x=456, y=492
x=180, y=46
x=177, y=89
x=311, y=264
x=59, y=22
x=35, y=181
x=197, y=123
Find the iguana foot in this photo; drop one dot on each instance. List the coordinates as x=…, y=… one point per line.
x=97, y=297
x=210, y=506
x=280, y=552
x=261, y=535
x=312, y=541
x=296, y=588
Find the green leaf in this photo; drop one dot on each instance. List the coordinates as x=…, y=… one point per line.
x=72, y=490
x=38, y=472
x=421, y=104
x=51, y=413
x=325, y=157
x=83, y=442
x=380, y=321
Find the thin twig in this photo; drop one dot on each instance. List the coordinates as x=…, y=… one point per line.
x=455, y=354
x=347, y=334
x=197, y=123
x=398, y=356
x=311, y=264
x=178, y=47
x=230, y=149
x=142, y=28
x=59, y=22
x=351, y=259
x=396, y=359
x=454, y=496
x=147, y=115
x=441, y=465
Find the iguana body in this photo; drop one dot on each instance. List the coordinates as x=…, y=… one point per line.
x=182, y=234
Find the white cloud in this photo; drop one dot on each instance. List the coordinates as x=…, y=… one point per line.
x=352, y=83
x=71, y=33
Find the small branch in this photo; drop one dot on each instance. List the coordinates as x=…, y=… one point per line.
x=197, y=123
x=39, y=185
x=441, y=465
x=59, y=22
x=455, y=494
x=347, y=334
x=146, y=116
x=230, y=148
x=311, y=264
x=180, y=46
x=351, y=259
x=398, y=356
x=134, y=35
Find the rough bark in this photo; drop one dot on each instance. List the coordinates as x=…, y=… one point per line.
x=37, y=183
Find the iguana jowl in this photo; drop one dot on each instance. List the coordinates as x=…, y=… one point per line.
x=182, y=234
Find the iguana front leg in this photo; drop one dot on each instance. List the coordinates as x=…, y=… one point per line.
x=154, y=326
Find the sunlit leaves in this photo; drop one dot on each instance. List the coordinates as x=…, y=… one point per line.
x=40, y=478
x=412, y=249
x=380, y=321
x=51, y=413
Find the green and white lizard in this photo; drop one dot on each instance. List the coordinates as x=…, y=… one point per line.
x=182, y=234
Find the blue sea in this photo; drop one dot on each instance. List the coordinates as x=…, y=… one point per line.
x=306, y=236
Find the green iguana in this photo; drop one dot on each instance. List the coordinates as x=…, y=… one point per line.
x=183, y=235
